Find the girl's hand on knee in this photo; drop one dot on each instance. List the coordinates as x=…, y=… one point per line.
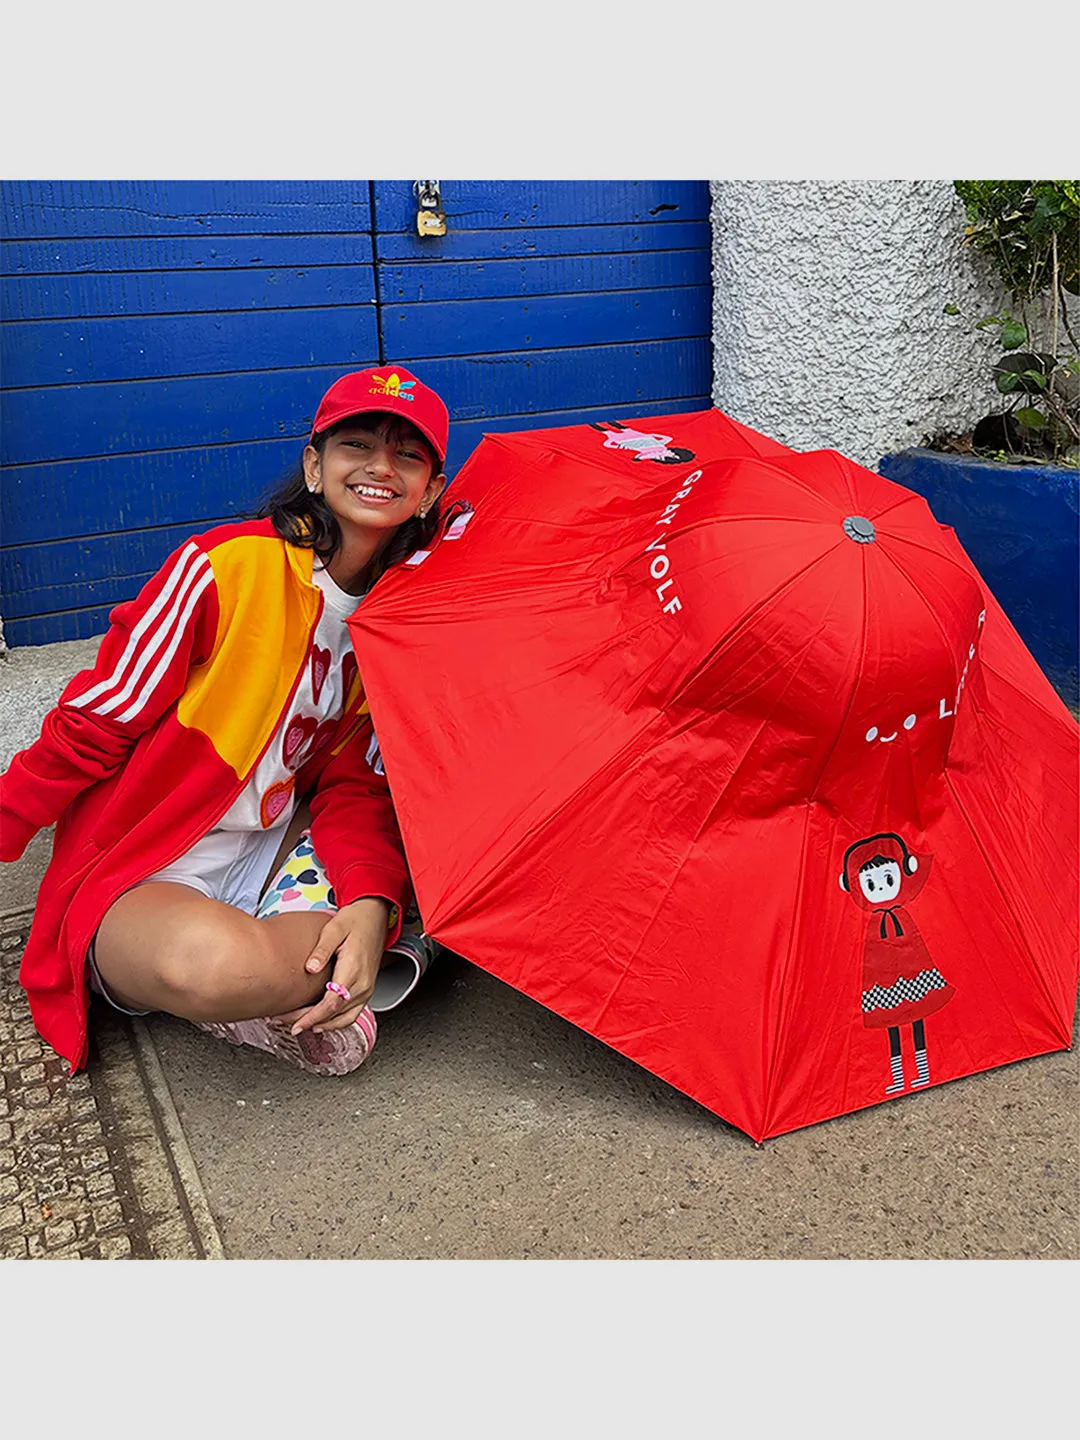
x=353, y=940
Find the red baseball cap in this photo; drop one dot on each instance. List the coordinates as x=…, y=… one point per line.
x=391, y=388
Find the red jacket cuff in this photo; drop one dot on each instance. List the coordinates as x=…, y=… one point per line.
x=360, y=879
x=15, y=834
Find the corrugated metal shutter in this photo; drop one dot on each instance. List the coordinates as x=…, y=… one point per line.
x=163, y=346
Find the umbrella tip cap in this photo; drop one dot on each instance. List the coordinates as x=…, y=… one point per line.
x=859, y=529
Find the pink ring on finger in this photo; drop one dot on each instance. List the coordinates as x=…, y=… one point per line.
x=338, y=989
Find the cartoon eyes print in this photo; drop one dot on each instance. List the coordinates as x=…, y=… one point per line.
x=881, y=882
x=944, y=713
x=874, y=734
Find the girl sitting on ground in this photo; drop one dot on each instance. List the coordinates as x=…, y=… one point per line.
x=187, y=875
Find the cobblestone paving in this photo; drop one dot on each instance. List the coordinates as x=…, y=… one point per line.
x=86, y=1170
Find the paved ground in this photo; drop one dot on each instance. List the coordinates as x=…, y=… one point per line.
x=485, y=1127
x=95, y=1165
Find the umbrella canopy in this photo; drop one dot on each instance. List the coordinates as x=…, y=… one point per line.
x=726, y=754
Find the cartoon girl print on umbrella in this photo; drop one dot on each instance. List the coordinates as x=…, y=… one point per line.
x=644, y=446
x=901, y=984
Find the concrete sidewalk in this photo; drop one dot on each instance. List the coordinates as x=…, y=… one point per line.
x=484, y=1126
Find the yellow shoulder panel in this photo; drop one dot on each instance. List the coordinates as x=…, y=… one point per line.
x=237, y=696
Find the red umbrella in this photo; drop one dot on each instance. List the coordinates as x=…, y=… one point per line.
x=726, y=754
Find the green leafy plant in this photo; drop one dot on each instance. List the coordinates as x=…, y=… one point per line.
x=1030, y=230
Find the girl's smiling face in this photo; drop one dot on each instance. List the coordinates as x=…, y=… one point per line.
x=374, y=472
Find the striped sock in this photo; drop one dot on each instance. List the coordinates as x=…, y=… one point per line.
x=923, y=1076
x=897, y=1075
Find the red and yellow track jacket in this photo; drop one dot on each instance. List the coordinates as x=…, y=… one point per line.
x=145, y=753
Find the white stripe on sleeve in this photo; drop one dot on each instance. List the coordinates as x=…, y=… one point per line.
x=196, y=570
x=163, y=664
x=141, y=628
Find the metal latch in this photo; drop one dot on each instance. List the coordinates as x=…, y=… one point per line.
x=430, y=219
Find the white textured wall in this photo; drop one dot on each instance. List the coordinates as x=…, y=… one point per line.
x=827, y=314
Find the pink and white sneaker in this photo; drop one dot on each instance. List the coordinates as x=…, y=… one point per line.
x=334, y=1052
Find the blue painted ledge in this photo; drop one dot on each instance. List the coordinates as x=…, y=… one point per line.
x=1019, y=525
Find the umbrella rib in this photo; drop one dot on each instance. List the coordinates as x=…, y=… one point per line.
x=968, y=570
x=896, y=504
x=730, y=519
x=747, y=616
x=948, y=780
x=626, y=966
x=973, y=575
x=770, y=1065
x=926, y=603
x=1018, y=934
x=792, y=479
x=477, y=882
x=1031, y=699
x=697, y=835
x=854, y=691
x=840, y=463
x=1000, y=722
x=991, y=668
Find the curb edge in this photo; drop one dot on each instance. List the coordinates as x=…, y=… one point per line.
x=172, y=1133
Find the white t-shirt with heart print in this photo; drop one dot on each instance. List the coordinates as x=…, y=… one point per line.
x=232, y=861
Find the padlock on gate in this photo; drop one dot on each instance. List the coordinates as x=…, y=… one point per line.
x=430, y=219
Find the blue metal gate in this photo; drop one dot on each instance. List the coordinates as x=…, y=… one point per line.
x=164, y=344
x=549, y=303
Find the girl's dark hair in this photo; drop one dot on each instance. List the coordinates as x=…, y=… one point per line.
x=303, y=518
